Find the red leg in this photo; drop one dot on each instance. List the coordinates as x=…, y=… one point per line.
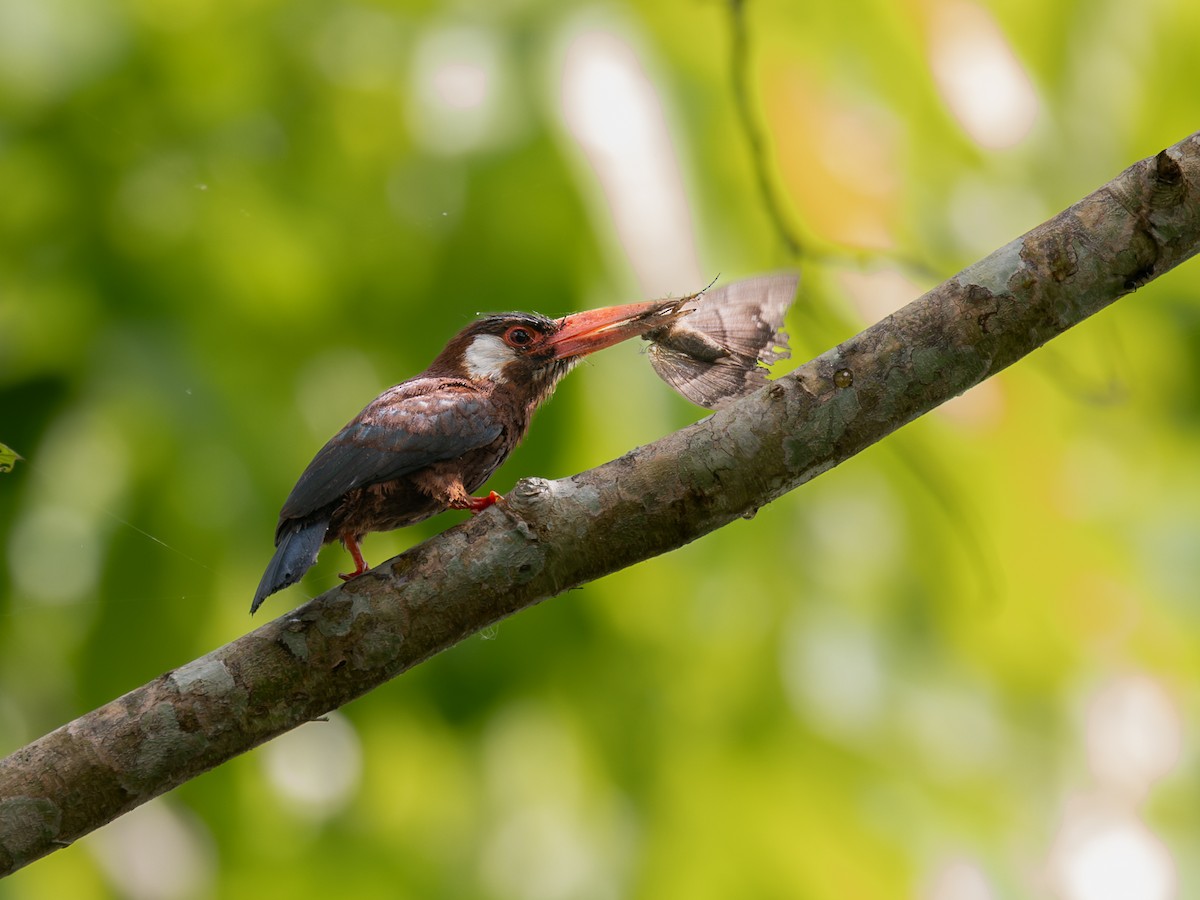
x=350, y=542
x=475, y=504
x=479, y=504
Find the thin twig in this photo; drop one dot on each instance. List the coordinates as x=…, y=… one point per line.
x=739, y=66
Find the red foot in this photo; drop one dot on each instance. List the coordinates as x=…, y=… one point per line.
x=478, y=504
x=350, y=542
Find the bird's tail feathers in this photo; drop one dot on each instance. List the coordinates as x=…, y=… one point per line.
x=295, y=554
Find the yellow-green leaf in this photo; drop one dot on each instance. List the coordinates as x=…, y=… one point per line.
x=8, y=458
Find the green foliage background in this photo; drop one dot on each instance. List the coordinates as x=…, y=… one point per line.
x=221, y=234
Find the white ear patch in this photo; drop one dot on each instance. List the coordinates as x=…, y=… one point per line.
x=487, y=356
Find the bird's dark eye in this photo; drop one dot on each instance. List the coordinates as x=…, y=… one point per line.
x=518, y=336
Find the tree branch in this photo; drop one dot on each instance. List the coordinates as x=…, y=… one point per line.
x=554, y=535
x=739, y=69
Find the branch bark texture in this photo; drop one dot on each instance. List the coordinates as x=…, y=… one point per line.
x=554, y=535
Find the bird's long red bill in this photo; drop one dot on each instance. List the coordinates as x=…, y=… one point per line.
x=587, y=332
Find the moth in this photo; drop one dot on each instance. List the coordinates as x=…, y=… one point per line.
x=719, y=351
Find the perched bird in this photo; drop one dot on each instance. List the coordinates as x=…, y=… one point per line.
x=717, y=352
x=426, y=444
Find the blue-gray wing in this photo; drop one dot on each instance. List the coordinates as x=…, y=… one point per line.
x=404, y=429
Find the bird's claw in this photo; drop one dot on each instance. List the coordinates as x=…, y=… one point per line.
x=478, y=504
x=350, y=576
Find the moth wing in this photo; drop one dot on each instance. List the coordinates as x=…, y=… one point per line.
x=746, y=317
x=707, y=384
